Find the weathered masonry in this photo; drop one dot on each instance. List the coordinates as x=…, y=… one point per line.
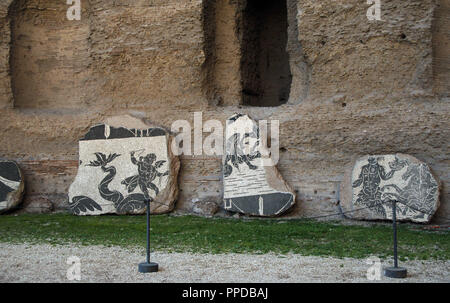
x=340, y=85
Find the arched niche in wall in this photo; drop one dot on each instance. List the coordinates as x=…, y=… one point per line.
x=253, y=54
x=49, y=55
x=265, y=70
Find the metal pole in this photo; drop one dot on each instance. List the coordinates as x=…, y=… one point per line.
x=148, y=231
x=395, y=272
x=394, y=223
x=148, y=266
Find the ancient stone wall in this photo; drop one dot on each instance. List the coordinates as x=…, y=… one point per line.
x=6, y=97
x=358, y=86
x=441, y=48
x=49, y=57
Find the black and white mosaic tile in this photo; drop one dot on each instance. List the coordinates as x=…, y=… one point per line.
x=11, y=185
x=119, y=169
x=249, y=187
x=376, y=180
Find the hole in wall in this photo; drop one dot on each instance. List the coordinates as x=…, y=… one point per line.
x=265, y=72
x=247, y=44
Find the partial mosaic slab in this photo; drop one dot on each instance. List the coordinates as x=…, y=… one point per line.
x=11, y=185
x=376, y=180
x=121, y=164
x=250, y=187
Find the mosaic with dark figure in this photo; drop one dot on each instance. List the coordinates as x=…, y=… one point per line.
x=370, y=177
x=239, y=151
x=249, y=187
x=417, y=196
x=147, y=172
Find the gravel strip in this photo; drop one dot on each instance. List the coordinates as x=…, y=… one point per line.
x=46, y=263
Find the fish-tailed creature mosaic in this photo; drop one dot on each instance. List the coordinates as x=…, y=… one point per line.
x=370, y=178
x=147, y=172
x=239, y=151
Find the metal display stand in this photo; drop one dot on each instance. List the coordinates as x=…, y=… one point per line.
x=147, y=267
x=395, y=272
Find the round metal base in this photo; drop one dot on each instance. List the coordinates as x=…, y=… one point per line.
x=395, y=272
x=148, y=267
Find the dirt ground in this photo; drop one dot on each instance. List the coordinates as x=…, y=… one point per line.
x=45, y=263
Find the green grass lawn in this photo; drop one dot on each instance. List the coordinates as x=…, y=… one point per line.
x=202, y=235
